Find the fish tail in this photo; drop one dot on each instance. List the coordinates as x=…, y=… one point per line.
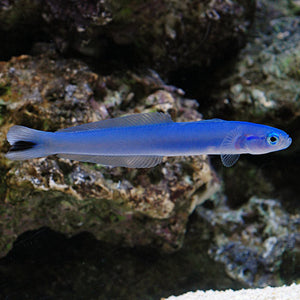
x=27, y=143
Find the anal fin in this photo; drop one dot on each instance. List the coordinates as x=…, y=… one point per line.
x=143, y=161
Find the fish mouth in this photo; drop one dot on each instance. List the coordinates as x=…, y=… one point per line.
x=288, y=142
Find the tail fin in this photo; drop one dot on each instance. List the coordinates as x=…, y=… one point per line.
x=26, y=143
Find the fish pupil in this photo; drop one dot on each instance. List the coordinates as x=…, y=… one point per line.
x=273, y=139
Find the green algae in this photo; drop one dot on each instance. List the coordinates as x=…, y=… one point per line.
x=292, y=65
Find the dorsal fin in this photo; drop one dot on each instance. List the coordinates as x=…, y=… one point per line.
x=127, y=121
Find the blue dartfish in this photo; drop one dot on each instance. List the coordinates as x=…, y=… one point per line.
x=142, y=140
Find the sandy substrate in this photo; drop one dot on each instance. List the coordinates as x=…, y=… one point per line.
x=291, y=292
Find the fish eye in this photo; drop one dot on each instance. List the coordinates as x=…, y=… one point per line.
x=272, y=139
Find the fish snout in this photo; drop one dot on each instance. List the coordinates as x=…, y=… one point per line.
x=285, y=142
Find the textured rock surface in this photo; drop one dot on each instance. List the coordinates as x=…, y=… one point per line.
x=263, y=85
x=165, y=35
x=139, y=207
x=256, y=242
x=266, y=82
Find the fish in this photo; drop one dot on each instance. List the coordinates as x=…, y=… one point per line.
x=142, y=140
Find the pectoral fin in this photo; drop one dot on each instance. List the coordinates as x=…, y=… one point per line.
x=228, y=145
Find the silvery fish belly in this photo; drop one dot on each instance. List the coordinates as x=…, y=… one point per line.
x=142, y=140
